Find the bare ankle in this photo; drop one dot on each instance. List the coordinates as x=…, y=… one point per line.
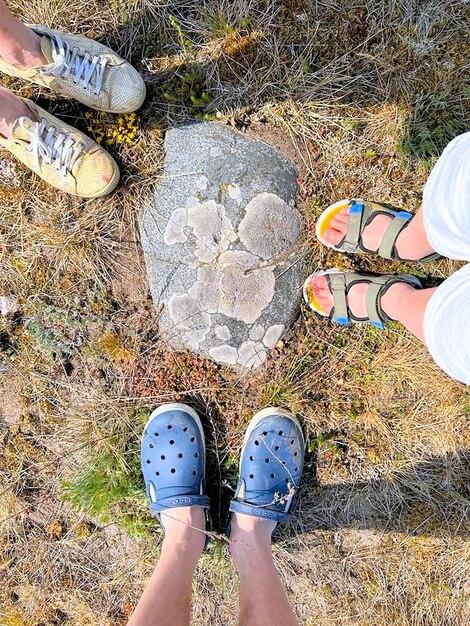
x=23, y=51
x=396, y=299
x=184, y=529
x=11, y=109
x=250, y=538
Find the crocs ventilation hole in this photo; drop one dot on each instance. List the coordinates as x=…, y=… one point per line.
x=162, y=457
x=281, y=432
x=266, y=460
x=196, y=454
x=256, y=443
x=172, y=470
x=251, y=475
x=157, y=473
x=171, y=442
x=194, y=473
x=295, y=453
x=286, y=481
x=276, y=448
x=180, y=455
x=157, y=434
x=169, y=426
x=296, y=469
x=151, y=445
x=272, y=475
x=264, y=433
x=291, y=441
x=185, y=429
x=193, y=439
x=148, y=462
x=252, y=458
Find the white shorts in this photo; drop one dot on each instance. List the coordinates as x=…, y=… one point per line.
x=446, y=210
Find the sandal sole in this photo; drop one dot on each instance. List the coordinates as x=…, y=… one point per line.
x=324, y=221
x=310, y=298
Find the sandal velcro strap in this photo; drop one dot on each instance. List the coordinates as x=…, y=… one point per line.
x=340, y=306
x=353, y=234
x=361, y=214
x=173, y=502
x=236, y=506
x=374, y=310
x=398, y=223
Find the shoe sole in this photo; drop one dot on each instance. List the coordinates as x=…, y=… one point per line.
x=310, y=298
x=325, y=218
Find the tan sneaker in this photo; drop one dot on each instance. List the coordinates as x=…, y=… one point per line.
x=84, y=69
x=62, y=155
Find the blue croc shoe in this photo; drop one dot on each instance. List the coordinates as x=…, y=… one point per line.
x=173, y=458
x=271, y=465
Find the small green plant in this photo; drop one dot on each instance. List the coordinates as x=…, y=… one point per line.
x=185, y=43
x=220, y=26
x=188, y=90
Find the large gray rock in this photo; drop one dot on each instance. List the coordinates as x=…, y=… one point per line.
x=219, y=241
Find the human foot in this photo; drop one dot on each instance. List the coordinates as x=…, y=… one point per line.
x=247, y=529
x=404, y=239
x=83, y=69
x=61, y=155
x=342, y=296
x=11, y=109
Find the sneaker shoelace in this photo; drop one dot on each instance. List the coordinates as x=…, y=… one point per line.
x=69, y=60
x=51, y=146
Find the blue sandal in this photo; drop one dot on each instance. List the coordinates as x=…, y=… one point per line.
x=173, y=458
x=271, y=465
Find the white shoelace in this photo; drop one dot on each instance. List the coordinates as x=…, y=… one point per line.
x=68, y=60
x=50, y=145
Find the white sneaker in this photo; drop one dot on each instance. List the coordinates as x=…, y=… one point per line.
x=85, y=70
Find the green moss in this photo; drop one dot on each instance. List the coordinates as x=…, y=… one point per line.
x=108, y=487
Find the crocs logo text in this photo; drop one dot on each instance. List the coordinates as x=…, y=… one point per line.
x=264, y=513
x=183, y=500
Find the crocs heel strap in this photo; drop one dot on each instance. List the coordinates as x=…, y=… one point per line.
x=257, y=511
x=171, y=502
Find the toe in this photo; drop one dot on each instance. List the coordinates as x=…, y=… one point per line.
x=319, y=284
x=333, y=236
x=326, y=302
x=320, y=288
x=342, y=217
x=339, y=224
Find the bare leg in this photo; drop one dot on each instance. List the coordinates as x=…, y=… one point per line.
x=412, y=242
x=19, y=45
x=263, y=599
x=408, y=305
x=11, y=108
x=166, y=600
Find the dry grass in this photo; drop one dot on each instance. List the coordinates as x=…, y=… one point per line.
x=363, y=96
